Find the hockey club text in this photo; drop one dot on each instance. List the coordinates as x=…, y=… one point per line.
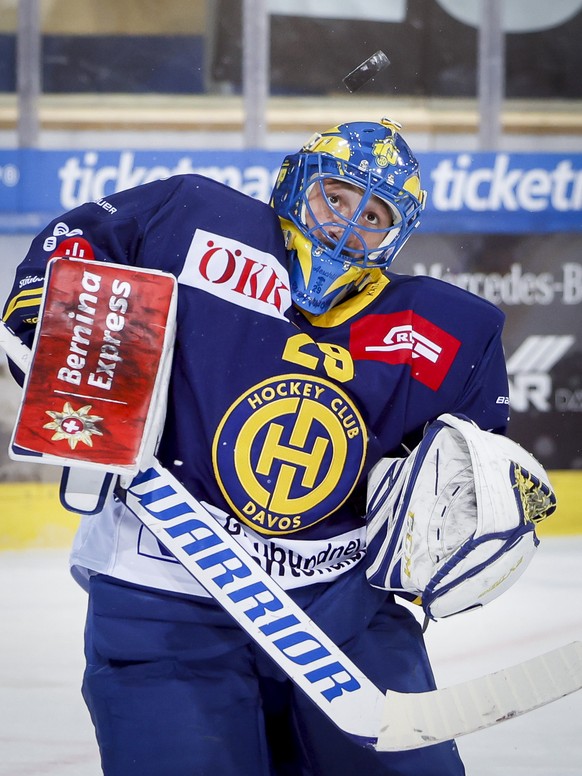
x=304, y=448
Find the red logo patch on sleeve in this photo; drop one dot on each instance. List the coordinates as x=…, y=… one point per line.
x=74, y=248
x=405, y=338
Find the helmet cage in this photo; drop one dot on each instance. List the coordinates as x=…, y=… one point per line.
x=302, y=171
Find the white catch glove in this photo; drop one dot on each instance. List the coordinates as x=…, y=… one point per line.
x=453, y=525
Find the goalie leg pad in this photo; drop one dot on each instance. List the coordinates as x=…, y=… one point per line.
x=453, y=525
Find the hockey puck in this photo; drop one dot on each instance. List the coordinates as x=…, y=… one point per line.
x=366, y=71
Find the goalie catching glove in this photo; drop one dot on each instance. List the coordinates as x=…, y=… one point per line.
x=452, y=526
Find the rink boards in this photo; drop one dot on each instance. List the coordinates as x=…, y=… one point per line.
x=32, y=516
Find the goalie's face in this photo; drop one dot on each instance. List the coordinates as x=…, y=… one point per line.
x=344, y=229
x=341, y=217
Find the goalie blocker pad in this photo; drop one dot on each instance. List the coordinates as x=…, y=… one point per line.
x=94, y=396
x=453, y=525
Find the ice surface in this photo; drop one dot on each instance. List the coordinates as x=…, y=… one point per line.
x=45, y=729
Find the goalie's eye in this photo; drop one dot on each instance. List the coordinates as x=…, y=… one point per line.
x=373, y=219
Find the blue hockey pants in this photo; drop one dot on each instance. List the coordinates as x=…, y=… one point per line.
x=176, y=688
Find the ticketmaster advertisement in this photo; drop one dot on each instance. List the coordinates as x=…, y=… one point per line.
x=505, y=226
x=482, y=192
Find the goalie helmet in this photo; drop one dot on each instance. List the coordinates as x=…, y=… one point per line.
x=334, y=258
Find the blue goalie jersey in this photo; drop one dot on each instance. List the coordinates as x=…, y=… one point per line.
x=274, y=417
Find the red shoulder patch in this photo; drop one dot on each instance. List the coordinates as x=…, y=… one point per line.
x=405, y=338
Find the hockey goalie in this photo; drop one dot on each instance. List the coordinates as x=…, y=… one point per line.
x=237, y=624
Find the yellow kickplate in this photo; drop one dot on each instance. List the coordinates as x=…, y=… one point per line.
x=31, y=515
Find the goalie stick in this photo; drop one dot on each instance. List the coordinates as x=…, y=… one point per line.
x=386, y=722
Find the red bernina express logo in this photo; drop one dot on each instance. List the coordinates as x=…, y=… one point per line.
x=405, y=338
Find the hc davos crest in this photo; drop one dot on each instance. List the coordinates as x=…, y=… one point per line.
x=288, y=453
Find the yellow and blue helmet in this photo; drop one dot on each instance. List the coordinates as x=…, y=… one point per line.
x=372, y=156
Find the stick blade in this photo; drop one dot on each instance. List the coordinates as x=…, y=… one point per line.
x=414, y=720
